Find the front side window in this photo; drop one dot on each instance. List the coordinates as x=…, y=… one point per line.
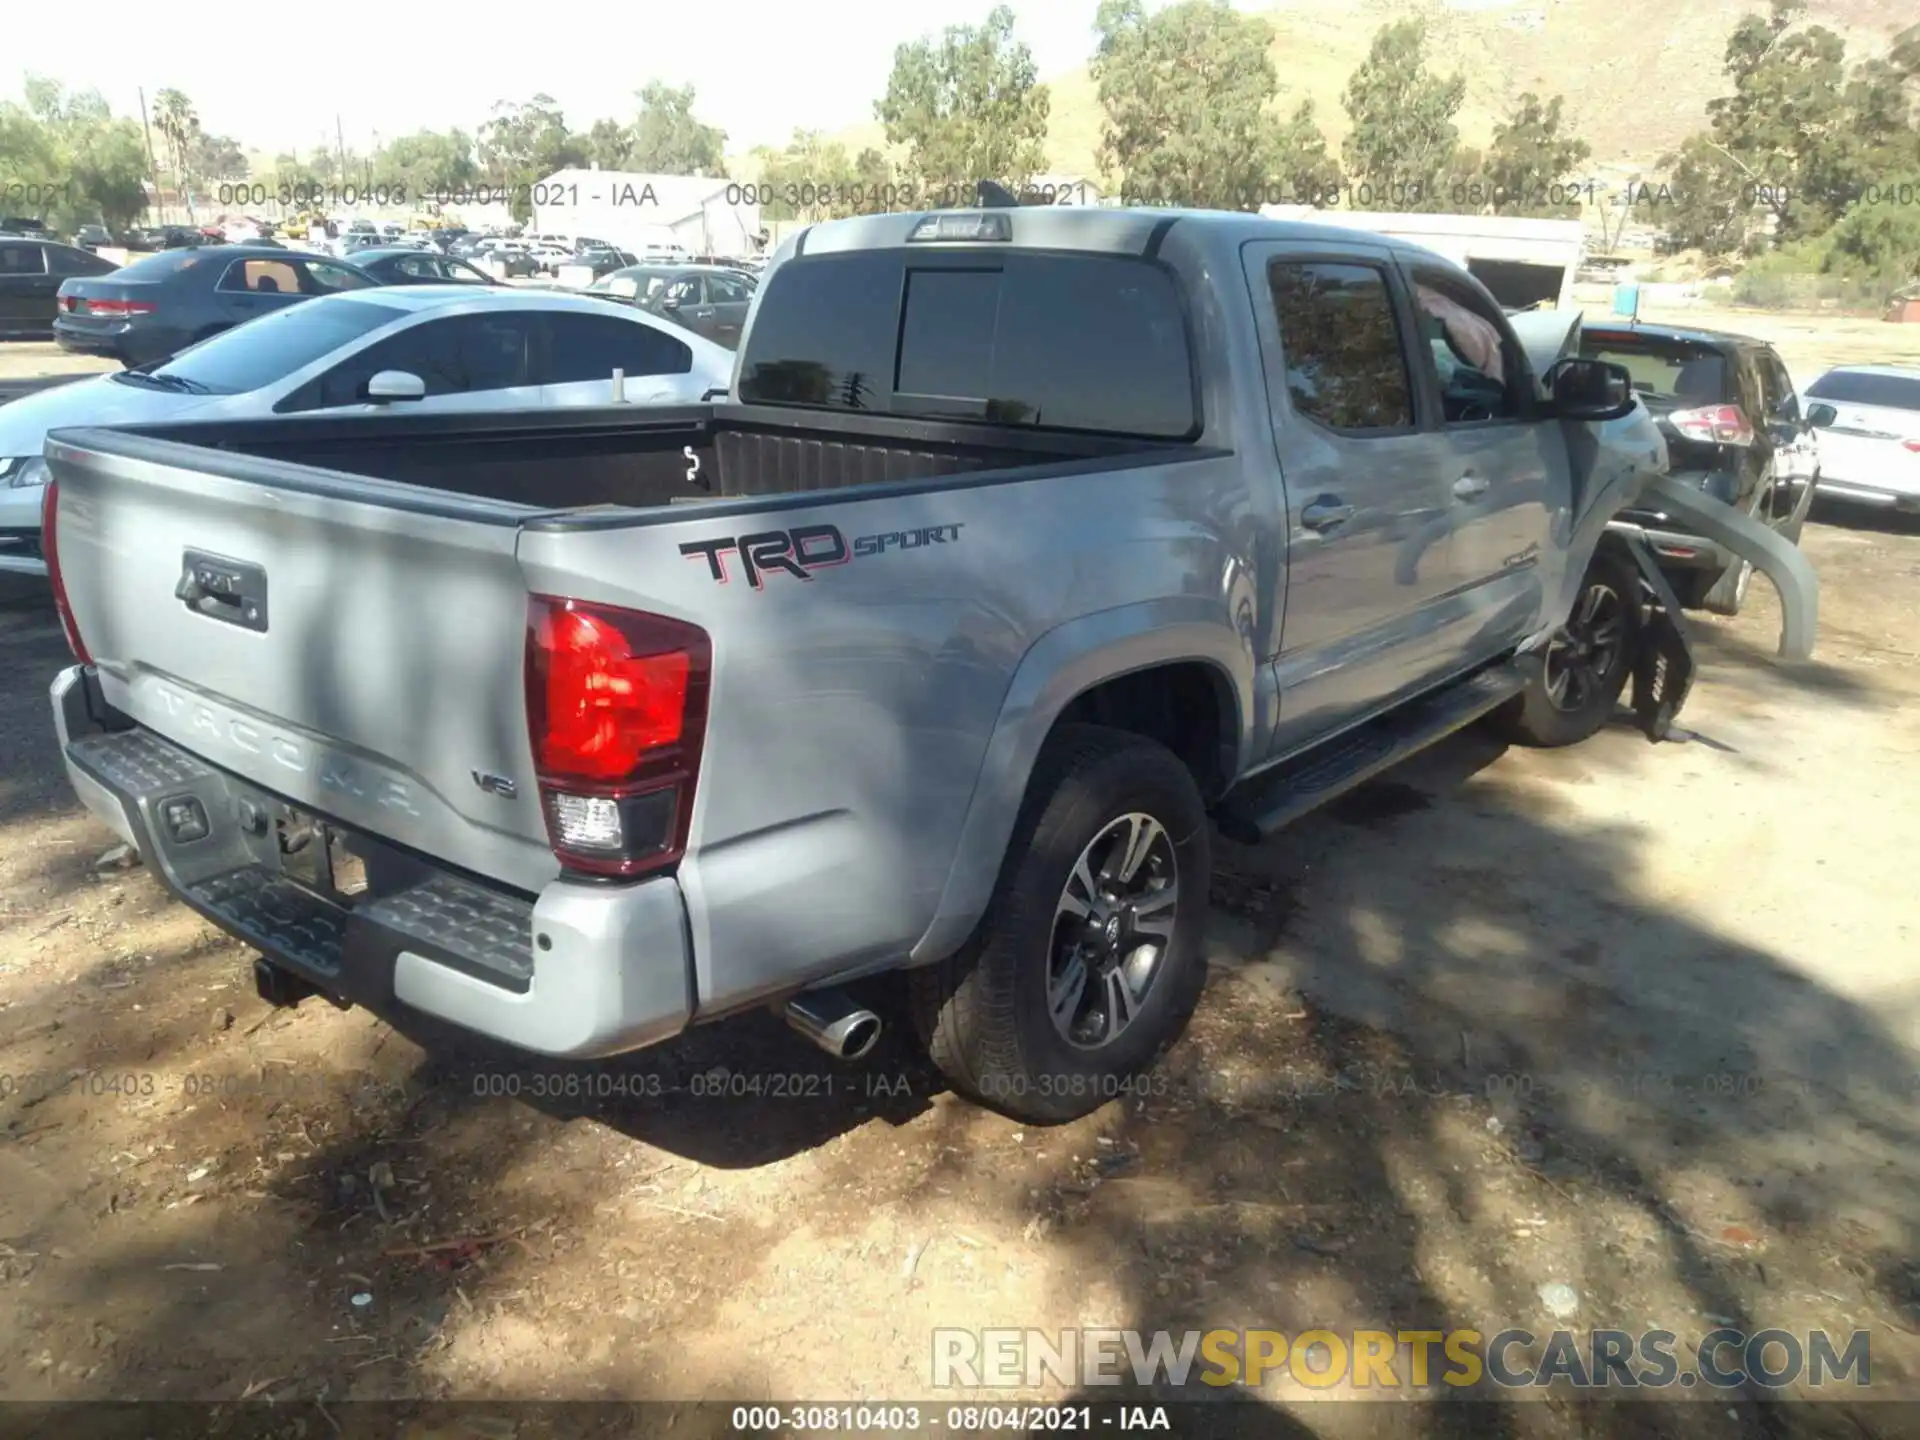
x=455, y=356
x=1478, y=374
x=1346, y=366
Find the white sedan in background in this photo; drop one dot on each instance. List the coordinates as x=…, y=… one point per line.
x=1870, y=443
x=422, y=347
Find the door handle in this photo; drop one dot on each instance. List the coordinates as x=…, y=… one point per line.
x=1469, y=487
x=1325, y=513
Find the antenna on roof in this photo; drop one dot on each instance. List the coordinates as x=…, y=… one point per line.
x=992, y=195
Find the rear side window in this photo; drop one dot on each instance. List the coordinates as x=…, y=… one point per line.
x=163, y=264
x=65, y=260
x=23, y=260
x=1669, y=374
x=1858, y=387
x=592, y=347
x=1072, y=342
x=1346, y=364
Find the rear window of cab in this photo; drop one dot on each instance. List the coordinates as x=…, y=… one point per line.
x=1054, y=341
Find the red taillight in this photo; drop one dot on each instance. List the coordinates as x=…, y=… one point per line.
x=617, y=710
x=120, y=307
x=50, y=547
x=1913, y=445
x=1717, y=424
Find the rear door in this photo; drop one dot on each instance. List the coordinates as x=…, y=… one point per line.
x=728, y=296
x=1508, y=464
x=26, y=288
x=370, y=664
x=583, y=351
x=1368, y=510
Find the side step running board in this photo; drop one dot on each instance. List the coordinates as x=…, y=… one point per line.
x=1277, y=797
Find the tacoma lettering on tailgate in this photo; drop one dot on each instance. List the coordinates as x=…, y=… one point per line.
x=219, y=731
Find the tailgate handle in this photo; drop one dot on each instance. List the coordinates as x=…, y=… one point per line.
x=233, y=592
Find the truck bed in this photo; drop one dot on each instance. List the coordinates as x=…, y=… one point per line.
x=630, y=457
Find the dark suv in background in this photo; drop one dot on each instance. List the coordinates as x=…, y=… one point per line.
x=1734, y=425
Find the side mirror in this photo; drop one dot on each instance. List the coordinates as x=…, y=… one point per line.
x=1819, y=417
x=1590, y=390
x=395, y=385
x=670, y=302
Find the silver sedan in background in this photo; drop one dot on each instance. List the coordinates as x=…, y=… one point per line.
x=1868, y=421
x=430, y=347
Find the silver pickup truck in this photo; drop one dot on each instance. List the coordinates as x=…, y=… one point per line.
x=1027, y=541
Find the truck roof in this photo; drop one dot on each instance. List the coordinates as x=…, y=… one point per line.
x=1096, y=230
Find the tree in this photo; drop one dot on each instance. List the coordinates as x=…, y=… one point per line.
x=1185, y=92
x=668, y=139
x=968, y=107
x=426, y=165
x=1401, y=147
x=179, y=126
x=1799, y=138
x=524, y=144
x=1709, y=210
x=815, y=179
x=217, y=157
x=83, y=164
x=610, y=145
x=1303, y=170
x=1531, y=157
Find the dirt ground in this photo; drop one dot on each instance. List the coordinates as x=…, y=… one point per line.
x=1640, y=1020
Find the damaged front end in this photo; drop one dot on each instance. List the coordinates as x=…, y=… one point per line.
x=1617, y=465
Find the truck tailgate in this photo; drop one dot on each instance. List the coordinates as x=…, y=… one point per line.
x=353, y=645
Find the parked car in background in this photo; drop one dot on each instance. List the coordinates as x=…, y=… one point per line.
x=165, y=237
x=160, y=304
x=24, y=227
x=1868, y=421
x=408, y=265
x=549, y=257
x=92, y=237
x=708, y=299
x=31, y=274
x=418, y=347
x=512, y=256
x=1734, y=426
x=599, y=260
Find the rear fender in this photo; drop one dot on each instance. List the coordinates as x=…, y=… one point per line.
x=1063, y=664
x=1781, y=562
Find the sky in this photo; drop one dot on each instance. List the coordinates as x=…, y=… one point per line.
x=273, y=78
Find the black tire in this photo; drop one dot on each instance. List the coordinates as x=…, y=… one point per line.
x=1550, y=712
x=983, y=1013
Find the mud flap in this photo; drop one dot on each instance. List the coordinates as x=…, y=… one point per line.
x=1663, y=670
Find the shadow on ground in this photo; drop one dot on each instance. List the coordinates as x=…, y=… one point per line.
x=1500, y=1023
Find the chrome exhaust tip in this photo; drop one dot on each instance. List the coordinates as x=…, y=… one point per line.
x=831, y=1020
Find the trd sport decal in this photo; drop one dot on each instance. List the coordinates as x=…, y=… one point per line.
x=806, y=548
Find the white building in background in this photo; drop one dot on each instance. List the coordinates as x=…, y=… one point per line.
x=635, y=212
x=1522, y=261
